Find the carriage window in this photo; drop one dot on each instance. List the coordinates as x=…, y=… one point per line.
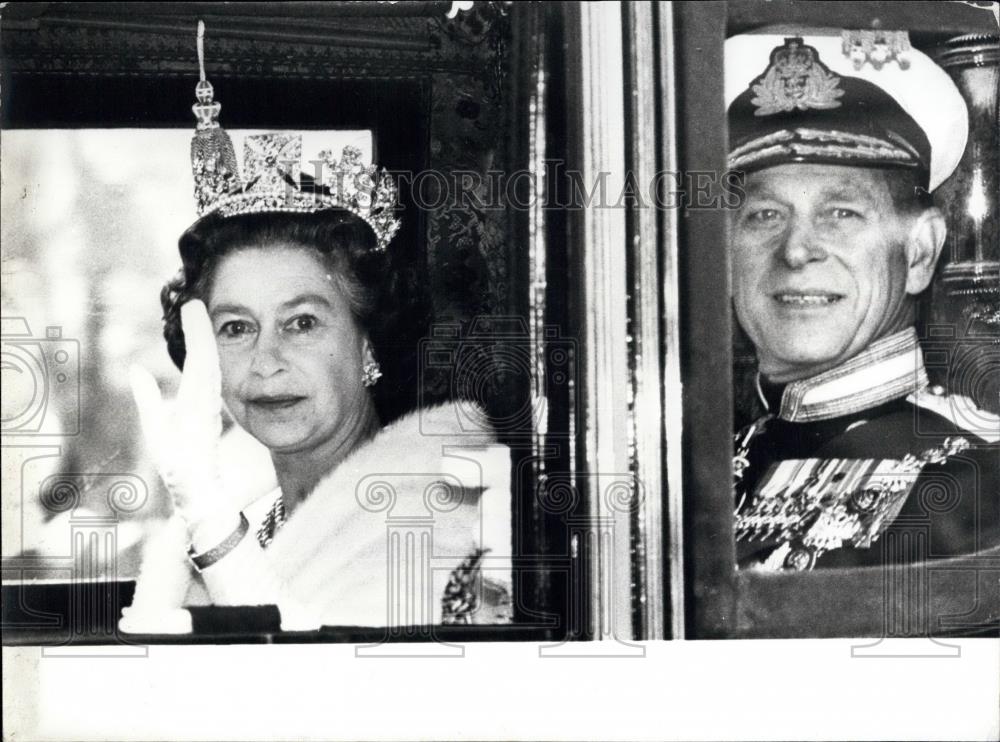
x=864, y=459
x=90, y=228
x=667, y=373
x=580, y=325
x=98, y=187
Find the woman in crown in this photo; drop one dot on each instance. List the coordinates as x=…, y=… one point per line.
x=285, y=313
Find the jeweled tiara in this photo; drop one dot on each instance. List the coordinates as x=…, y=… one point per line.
x=272, y=179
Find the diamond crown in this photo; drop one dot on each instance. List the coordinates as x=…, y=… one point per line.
x=272, y=179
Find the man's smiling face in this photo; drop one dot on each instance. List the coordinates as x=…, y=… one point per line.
x=820, y=266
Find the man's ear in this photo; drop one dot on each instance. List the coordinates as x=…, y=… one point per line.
x=923, y=248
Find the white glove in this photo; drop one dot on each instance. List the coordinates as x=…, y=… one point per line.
x=183, y=437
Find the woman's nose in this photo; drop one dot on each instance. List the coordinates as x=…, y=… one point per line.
x=799, y=245
x=268, y=357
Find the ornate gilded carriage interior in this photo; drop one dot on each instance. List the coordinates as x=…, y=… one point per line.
x=600, y=341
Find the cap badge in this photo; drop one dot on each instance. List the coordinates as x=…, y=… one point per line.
x=795, y=79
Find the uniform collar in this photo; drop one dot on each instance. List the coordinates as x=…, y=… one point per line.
x=889, y=368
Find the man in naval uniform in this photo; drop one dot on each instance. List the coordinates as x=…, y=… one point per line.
x=835, y=240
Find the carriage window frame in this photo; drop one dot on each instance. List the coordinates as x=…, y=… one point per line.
x=395, y=106
x=723, y=602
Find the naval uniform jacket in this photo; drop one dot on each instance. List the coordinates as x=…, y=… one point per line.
x=865, y=465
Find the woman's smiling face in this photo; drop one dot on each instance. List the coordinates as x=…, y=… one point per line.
x=290, y=349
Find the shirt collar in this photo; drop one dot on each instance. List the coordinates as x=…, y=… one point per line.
x=887, y=369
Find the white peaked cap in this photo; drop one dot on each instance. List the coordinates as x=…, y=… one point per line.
x=923, y=93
